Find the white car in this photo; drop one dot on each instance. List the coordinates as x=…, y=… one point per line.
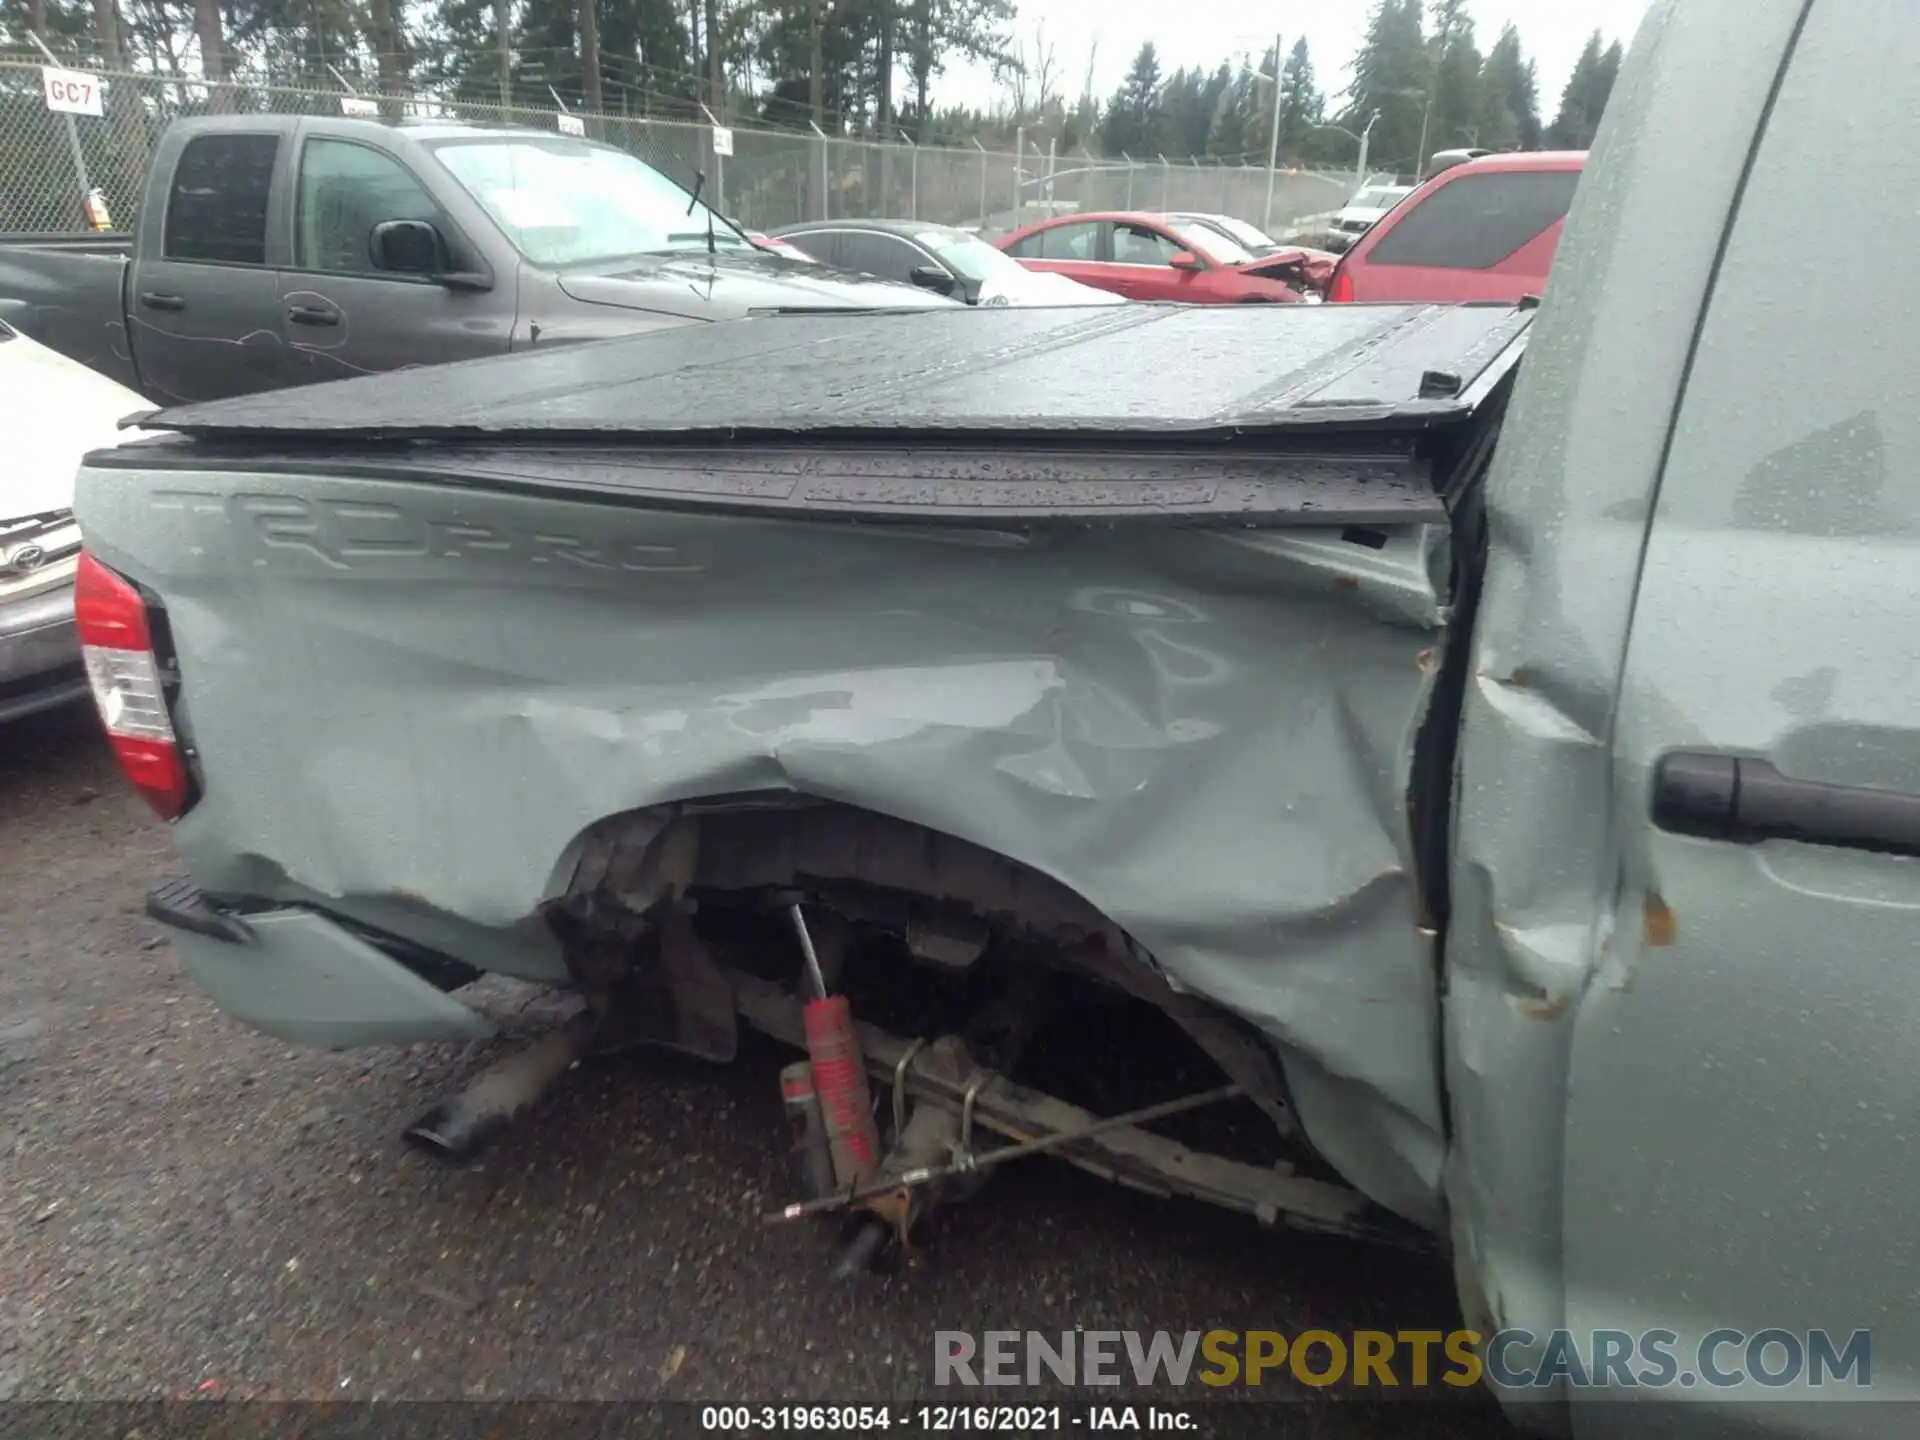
x=942, y=258
x=56, y=411
x=1358, y=215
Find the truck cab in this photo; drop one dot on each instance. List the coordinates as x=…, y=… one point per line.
x=256, y=267
x=1678, y=967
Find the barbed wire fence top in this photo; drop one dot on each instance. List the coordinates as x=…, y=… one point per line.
x=772, y=177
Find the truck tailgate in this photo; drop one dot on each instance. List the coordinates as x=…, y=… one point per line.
x=1165, y=639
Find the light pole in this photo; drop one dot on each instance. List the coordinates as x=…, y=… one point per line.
x=1426, y=119
x=1363, y=139
x=1360, y=166
x=1273, y=139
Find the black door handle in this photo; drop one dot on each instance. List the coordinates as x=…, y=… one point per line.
x=1738, y=798
x=155, y=300
x=313, y=315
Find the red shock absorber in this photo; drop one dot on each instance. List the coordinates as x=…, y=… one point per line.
x=840, y=1081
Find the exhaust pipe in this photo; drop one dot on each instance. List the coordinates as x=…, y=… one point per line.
x=458, y=1128
x=871, y=1237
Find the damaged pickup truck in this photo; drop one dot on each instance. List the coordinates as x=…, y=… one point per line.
x=1521, y=844
x=520, y=660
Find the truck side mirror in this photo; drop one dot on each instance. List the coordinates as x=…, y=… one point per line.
x=415, y=247
x=408, y=247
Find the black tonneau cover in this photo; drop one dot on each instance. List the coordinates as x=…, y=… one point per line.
x=1232, y=416
x=1074, y=375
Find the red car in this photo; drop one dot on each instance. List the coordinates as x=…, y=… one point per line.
x=1483, y=230
x=780, y=247
x=1154, y=257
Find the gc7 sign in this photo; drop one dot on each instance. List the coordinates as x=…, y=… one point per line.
x=70, y=92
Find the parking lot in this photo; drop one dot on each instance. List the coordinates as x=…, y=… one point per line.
x=193, y=1209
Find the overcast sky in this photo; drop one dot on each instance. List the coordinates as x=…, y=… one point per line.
x=1200, y=32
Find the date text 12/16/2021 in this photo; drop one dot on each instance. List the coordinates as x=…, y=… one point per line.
x=940, y=1419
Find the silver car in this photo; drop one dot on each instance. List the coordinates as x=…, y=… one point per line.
x=1359, y=214
x=57, y=410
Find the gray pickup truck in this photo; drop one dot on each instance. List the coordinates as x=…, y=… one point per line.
x=278, y=250
x=1499, y=771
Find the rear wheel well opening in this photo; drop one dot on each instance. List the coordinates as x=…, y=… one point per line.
x=927, y=934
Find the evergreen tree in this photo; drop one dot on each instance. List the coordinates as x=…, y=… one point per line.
x=943, y=32
x=1257, y=131
x=1585, y=99
x=61, y=23
x=294, y=43
x=1509, y=97
x=1212, y=91
x=784, y=48
x=1131, y=125
x=1454, y=118
x=1391, y=74
x=1610, y=63
x=859, y=66
x=1225, y=136
x=1302, y=107
x=463, y=48
x=1185, y=117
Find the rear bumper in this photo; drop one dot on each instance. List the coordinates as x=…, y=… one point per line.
x=304, y=978
x=39, y=653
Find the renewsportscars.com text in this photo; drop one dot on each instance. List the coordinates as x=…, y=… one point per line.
x=1774, y=1359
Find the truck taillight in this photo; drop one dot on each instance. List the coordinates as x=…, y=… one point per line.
x=1340, y=290
x=116, y=641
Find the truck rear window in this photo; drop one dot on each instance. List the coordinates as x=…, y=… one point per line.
x=1477, y=221
x=217, y=207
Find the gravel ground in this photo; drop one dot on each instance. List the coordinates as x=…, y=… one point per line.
x=188, y=1208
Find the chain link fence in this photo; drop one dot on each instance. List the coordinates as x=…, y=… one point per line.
x=772, y=178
